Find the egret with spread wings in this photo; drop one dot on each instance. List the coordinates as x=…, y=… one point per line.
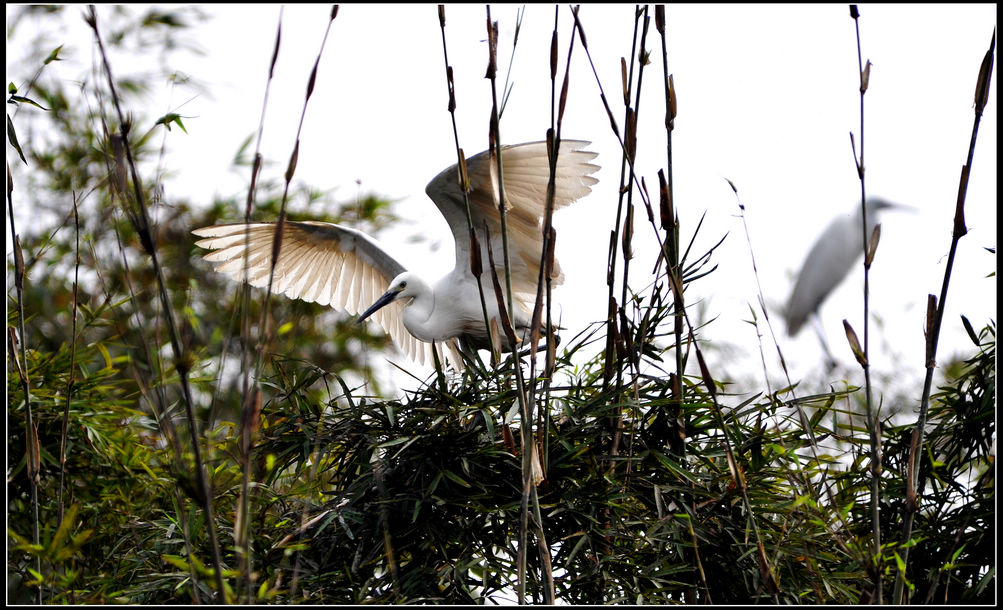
x=339, y=266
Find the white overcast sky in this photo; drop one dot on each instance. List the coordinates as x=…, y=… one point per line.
x=767, y=98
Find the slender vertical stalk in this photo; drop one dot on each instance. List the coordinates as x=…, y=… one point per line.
x=507, y=305
x=640, y=56
x=290, y=172
x=20, y=359
x=544, y=279
x=670, y=224
x=630, y=148
x=251, y=405
x=612, y=334
x=461, y=168
x=543, y=424
x=64, y=429
x=153, y=393
x=145, y=233
x=626, y=175
x=265, y=335
x=873, y=422
x=670, y=250
x=935, y=318
x=494, y=133
x=73, y=366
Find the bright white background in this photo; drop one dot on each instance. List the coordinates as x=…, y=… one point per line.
x=767, y=97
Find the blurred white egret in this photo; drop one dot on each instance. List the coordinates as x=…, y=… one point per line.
x=830, y=259
x=345, y=268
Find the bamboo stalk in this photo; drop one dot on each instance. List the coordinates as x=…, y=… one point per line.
x=461, y=168
x=73, y=359
x=144, y=231
x=873, y=422
x=19, y=357
x=935, y=319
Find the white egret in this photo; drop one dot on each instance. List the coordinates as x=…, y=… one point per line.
x=835, y=252
x=346, y=269
x=830, y=259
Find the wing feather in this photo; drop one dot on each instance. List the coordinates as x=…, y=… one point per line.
x=526, y=168
x=322, y=262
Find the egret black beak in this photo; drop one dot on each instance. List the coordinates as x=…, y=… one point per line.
x=388, y=297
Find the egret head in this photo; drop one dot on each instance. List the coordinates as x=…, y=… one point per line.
x=876, y=207
x=402, y=287
x=876, y=204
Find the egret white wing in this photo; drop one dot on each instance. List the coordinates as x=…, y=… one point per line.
x=526, y=169
x=318, y=262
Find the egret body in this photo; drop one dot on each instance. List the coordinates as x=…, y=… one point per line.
x=830, y=259
x=348, y=270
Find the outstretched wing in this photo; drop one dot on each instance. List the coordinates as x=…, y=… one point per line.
x=318, y=262
x=526, y=168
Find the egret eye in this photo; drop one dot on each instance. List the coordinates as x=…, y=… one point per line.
x=403, y=285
